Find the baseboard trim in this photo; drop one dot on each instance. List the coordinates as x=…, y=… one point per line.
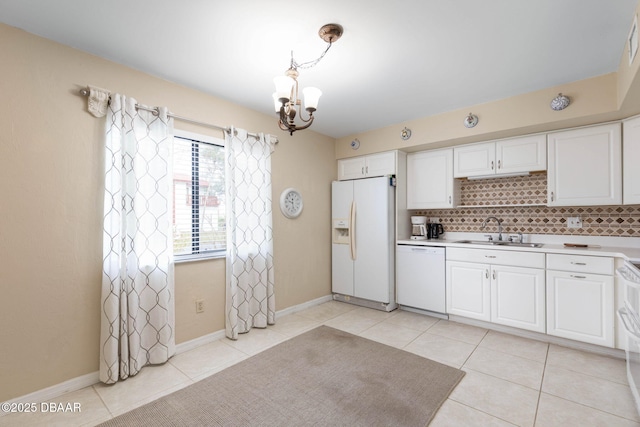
x=50, y=393
x=83, y=381
x=303, y=306
x=215, y=336
x=197, y=342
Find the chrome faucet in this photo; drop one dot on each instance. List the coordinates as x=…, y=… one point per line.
x=484, y=224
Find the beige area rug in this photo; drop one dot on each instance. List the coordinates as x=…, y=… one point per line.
x=324, y=377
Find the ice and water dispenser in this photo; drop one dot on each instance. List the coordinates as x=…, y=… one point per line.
x=341, y=231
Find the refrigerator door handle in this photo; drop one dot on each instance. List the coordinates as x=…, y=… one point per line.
x=352, y=231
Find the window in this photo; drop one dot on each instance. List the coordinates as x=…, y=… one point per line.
x=199, y=225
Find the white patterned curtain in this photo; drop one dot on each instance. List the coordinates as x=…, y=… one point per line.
x=138, y=318
x=250, y=301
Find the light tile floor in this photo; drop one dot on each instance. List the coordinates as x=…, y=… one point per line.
x=509, y=380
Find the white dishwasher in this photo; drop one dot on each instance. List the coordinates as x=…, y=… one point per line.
x=421, y=277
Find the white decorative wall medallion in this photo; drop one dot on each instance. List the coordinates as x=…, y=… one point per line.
x=560, y=102
x=471, y=120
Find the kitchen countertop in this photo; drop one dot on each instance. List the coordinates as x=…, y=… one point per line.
x=629, y=253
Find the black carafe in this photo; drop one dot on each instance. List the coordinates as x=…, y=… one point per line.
x=435, y=230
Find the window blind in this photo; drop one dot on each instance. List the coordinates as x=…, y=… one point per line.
x=199, y=225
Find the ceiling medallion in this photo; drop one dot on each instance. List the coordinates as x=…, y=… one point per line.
x=405, y=134
x=471, y=120
x=560, y=102
x=286, y=98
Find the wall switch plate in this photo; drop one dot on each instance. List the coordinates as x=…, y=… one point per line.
x=574, y=222
x=199, y=306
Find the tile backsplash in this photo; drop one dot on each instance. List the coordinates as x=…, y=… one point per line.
x=504, y=198
x=517, y=190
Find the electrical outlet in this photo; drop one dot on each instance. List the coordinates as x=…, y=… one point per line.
x=199, y=306
x=574, y=222
x=434, y=220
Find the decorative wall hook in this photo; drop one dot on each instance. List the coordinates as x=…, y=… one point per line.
x=560, y=102
x=405, y=134
x=471, y=120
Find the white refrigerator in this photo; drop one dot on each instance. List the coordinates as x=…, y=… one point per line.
x=363, y=242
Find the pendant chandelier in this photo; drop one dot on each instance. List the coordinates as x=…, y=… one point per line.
x=286, y=95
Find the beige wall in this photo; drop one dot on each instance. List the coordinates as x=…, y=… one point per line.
x=593, y=100
x=628, y=82
x=51, y=183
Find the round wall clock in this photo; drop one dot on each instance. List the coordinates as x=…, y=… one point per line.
x=291, y=203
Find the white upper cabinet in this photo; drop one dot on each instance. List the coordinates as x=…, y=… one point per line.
x=585, y=166
x=526, y=154
x=367, y=166
x=430, y=180
x=474, y=160
x=631, y=156
x=351, y=168
x=380, y=164
x=515, y=155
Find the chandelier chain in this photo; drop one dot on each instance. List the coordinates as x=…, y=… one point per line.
x=309, y=64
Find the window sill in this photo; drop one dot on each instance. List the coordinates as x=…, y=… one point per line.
x=181, y=259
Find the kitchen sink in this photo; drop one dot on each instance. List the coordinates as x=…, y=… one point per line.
x=500, y=243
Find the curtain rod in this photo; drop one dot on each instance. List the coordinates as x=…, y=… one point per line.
x=85, y=92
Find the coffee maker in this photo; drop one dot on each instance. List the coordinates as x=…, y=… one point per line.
x=419, y=228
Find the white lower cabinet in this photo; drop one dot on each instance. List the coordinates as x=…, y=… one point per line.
x=580, y=306
x=580, y=298
x=468, y=290
x=504, y=294
x=564, y=295
x=518, y=297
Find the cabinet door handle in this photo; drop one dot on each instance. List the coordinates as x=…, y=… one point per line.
x=493, y=273
x=578, y=277
x=363, y=170
x=552, y=196
x=491, y=164
x=486, y=274
x=499, y=164
x=489, y=256
x=367, y=169
x=449, y=199
x=578, y=263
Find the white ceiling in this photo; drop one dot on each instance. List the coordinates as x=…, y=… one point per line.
x=397, y=60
